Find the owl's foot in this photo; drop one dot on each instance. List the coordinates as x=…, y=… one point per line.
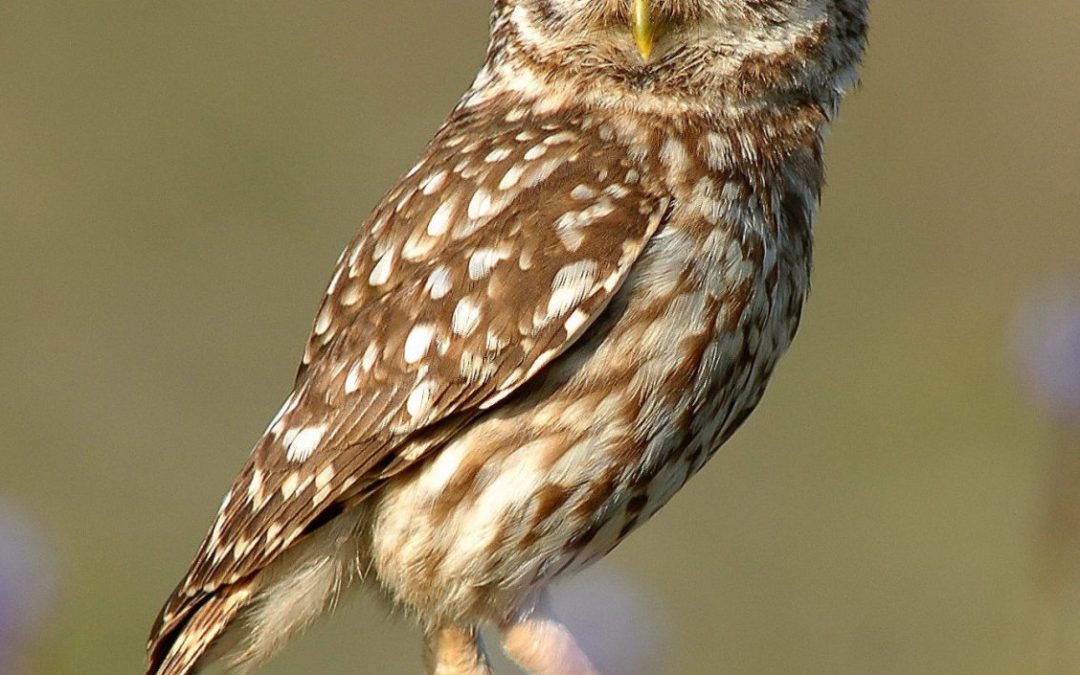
x=455, y=651
x=541, y=645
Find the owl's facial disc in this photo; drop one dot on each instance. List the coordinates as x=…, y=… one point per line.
x=673, y=55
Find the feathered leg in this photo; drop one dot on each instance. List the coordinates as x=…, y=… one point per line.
x=455, y=651
x=541, y=645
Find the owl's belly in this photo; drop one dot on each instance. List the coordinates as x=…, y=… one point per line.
x=561, y=474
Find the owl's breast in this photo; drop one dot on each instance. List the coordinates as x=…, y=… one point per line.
x=695, y=333
x=611, y=429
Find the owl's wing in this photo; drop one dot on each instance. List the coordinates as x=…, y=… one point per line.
x=481, y=266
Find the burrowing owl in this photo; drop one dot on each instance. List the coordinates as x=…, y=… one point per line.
x=544, y=329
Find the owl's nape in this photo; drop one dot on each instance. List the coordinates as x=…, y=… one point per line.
x=544, y=329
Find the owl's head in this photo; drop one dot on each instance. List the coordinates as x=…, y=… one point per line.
x=682, y=53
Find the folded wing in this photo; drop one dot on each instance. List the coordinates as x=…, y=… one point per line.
x=480, y=267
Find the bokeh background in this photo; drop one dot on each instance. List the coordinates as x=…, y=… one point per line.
x=177, y=178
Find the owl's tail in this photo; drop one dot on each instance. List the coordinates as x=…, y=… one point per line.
x=182, y=651
x=245, y=623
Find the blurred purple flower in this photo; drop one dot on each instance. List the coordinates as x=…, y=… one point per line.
x=1048, y=348
x=622, y=632
x=25, y=588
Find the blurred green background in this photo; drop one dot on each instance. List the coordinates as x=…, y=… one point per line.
x=176, y=180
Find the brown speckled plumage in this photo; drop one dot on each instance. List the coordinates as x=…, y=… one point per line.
x=544, y=329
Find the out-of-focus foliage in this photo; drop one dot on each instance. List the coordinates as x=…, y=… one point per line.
x=178, y=178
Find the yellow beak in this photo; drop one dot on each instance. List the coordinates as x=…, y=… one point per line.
x=644, y=29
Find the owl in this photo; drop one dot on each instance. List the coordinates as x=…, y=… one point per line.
x=553, y=320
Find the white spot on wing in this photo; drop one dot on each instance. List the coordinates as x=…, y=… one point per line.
x=440, y=220
x=480, y=206
x=439, y=282
x=559, y=138
x=466, y=317
x=497, y=155
x=323, y=322
x=370, y=354
x=583, y=192
x=243, y=546
x=380, y=274
x=418, y=342
x=225, y=502
x=572, y=283
x=352, y=380
x=482, y=262
x=305, y=442
x=332, y=288
x=324, y=477
x=420, y=399
x=322, y=484
x=289, y=485
x=495, y=342
x=475, y=368
x=351, y=295
x=272, y=531
x=255, y=487
x=536, y=152
x=511, y=177
x=434, y=183
x=575, y=321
